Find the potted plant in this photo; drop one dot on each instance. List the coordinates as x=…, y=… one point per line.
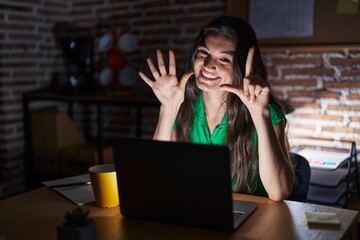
x=77, y=226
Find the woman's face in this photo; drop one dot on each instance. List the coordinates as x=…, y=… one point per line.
x=213, y=65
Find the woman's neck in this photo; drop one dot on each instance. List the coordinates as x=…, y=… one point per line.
x=215, y=107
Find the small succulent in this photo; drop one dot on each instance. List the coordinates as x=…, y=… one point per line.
x=77, y=218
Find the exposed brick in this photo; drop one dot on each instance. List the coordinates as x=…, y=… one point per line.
x=302, y=126
x=11, y=111
x=193, y=29
x=198, y=20
x=357, y=141
x=58, y=4
x=341, y=84
x=111, y=9
x=21, y=36
x=354, y=119
x=206, y=9
x=151, y=4
x=17, y=26
x=52, y=12
x=20, y=83
x=314, y=94
x=344, y=107
x=17, y=46
x=154, y=41
x=350, y=73
x=311, y=72
x=165, y=12
x=163, y=31
x=311, y=138
x=148, y=22
x=9, y=102
x=315, y=50
x=292, y=61
x=341, y=129
x=298, y=105
x=271, y=72
x=4, y=75
x=353, y=96
x=15, y=8
x=186, y=2
x=27, y=55
x=317, y=116
x=18, y=64
x=354, y=50
x=79, y=13
x=294, y=82
x=302, y=50
x=183, y=40
x=88, y=4
x=344, y=61
x=27, y=18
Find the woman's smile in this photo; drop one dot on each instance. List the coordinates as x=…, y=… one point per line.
x=208, y=76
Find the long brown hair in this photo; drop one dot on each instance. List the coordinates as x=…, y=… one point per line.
x=240, y=127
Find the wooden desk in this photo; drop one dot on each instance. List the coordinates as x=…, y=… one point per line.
x=35, y=215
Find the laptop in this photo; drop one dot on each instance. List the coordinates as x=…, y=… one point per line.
x=177, y=183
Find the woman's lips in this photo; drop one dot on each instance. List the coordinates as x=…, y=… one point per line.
x=208, y=76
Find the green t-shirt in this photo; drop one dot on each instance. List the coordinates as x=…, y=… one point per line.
x=201, y=134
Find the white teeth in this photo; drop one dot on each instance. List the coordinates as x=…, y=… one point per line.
x=208, y=76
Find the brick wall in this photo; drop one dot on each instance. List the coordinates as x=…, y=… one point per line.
x=27, y=59
x=321, y=83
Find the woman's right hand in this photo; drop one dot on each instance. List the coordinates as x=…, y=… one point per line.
x=166, y=87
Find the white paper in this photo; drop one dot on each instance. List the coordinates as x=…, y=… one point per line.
x=282, y=18
x=78, y=194
x=323, y=159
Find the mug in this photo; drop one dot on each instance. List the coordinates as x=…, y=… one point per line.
x=104, y=185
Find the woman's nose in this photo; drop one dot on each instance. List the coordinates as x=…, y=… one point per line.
x=209, y=62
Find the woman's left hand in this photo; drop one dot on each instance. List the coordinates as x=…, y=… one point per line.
x=255, y=91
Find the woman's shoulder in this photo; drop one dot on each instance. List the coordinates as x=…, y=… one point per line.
x=276, y=112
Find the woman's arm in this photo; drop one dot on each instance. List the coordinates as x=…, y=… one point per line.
x=164, y=128
x=275, y=169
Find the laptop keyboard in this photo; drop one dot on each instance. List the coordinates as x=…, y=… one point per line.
x=237, y=214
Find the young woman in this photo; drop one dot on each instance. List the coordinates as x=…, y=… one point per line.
x=224, y=98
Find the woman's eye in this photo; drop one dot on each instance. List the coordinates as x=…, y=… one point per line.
x=225, y=60
x=201, y=51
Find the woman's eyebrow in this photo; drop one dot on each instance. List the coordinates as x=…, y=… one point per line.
x=228, y=52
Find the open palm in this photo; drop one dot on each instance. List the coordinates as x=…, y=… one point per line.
x=166, y=87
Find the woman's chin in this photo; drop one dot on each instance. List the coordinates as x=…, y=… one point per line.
x=207, y=86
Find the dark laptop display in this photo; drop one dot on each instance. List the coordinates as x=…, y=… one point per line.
x=177, y=183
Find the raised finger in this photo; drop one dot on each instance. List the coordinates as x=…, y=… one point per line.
x=153, y=69
x=251, y=93
x=246, y=84
x=258, y=90
x=146, y=79
x=161, y=63
x=249, y=62
x=172, y=65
